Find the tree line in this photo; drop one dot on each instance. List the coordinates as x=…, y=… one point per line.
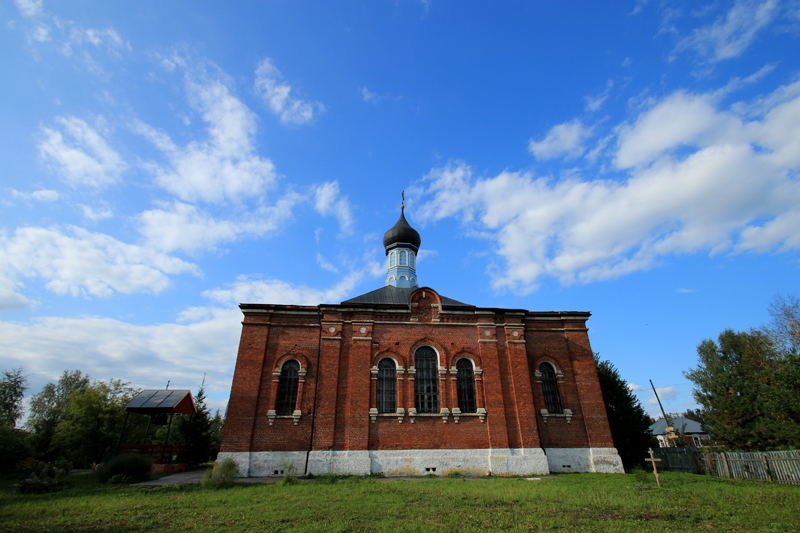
x=81, y=420
x=748, y=383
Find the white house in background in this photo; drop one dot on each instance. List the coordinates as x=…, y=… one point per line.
x=691, y=429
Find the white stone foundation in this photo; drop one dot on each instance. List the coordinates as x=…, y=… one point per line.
x=500, y=461
x=601, y=460
x=262, y=464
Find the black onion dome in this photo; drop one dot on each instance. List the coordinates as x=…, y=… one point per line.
x=401, y=232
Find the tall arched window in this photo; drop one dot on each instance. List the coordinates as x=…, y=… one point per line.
x=550, y=389
x=426, y=381
x=411, y=260
x=387, y=386
x=287, y=388
x=403, y=258
x=465, y=386
x=392, y=259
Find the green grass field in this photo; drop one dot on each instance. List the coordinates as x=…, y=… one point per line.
x=577, y=502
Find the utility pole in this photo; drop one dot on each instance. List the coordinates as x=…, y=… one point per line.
x=666, y=421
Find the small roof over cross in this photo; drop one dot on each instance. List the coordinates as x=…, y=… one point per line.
x=157, y=401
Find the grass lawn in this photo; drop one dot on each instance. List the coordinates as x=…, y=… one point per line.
x=576, y=502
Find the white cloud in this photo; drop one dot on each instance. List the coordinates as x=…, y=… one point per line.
x=593, y=103
x=80, y=154
x=43, y=195
x=29, y=8
x=327, y=200
x=694, y=178
x=685, y=291
x=276, y=95
x=666, y=394
x=565, y=139
x=84, y=263
x=731, y=34
x=224, y=167
x=96, y=214
x=327, y=265
x=145, y=355
x=634, y=387
x=369, y=96
x=181, y=226
x=678, y=120
x=246, y=290
x=69, y=38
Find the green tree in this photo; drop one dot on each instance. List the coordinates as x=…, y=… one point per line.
x=629, y=423
x=698, y=415
x=48, y=407
x=732, y=384
x=92, y=422
x=12, y=391
x=196, y=432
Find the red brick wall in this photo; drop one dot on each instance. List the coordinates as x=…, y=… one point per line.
x=338, y=346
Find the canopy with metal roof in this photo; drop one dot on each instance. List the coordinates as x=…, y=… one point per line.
x=162, y=401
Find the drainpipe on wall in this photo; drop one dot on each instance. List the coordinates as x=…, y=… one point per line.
x=316, y=390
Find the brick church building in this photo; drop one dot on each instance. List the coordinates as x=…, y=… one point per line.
x=405, y=381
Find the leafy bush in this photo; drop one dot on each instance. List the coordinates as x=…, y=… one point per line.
x=118, y=479
x=223, y=475
x=37, y=483
x=134, y=467
x=329, y=478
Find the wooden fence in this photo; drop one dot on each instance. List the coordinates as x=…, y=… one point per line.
x=781, y=467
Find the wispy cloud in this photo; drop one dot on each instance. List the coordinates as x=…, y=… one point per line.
x=277, y=95
x=43, y=195
x=325, y=264
x=565, y=139
x=80, y=154
x=245, y=290
x=730, y=34
x=667, y=394
x=685, y=185
x=328, y=200
x=82, y=263
x=223, y=167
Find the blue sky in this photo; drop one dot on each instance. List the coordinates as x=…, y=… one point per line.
x=163, y=162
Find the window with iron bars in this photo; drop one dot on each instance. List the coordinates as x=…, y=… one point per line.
x=550, y=389
x=387, y=385
x=465, y=386
x=426, y=381
x=287, y=388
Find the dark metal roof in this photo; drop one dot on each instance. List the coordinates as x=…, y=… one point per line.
x=680, y=423
x=390, y=295
x=156, y=401
x=401, y=233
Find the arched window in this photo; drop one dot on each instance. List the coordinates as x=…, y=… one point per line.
x=465, y=386
x=411, y=260
x=387, y=386
x=403, y=258
x=550, y=389
x=287, y=388
x=426, y=381
x=392, y=259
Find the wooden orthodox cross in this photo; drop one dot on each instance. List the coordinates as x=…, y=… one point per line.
x=655, y=470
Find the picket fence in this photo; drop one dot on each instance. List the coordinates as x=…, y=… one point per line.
x=780, y=467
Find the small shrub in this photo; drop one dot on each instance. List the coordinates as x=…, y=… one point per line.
x=289, y=472
x=37, y=483
x=223, y=475
x=135, y=467
x=330, y=478
x=118, y=479
x=62, y=466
